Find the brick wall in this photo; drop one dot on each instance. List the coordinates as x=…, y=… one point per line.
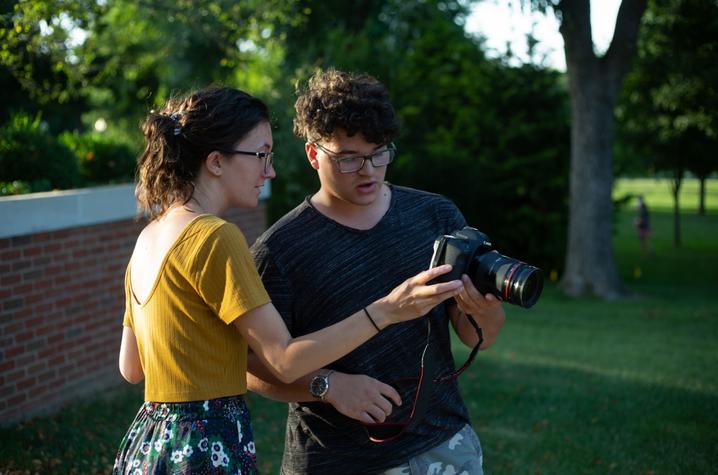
x=61, y=306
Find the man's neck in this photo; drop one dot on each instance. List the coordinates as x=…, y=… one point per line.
x=353, y=215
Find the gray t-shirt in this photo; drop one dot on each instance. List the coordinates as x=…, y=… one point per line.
x=318, y=272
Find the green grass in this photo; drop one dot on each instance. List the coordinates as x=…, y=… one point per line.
x=658, y=195
x=573, y=386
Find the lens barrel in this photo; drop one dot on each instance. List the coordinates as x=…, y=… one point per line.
x=511, y=280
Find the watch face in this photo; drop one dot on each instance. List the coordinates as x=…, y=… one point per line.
x=319, y=386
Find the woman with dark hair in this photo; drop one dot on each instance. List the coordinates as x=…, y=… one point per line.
x=194, y=301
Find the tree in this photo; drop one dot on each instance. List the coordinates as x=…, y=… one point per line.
x=134, y=55
x=669, y=111
x=491, y=137
x=37, y=69
x=594, y=85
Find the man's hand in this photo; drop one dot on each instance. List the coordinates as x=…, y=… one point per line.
x=361, y=397
x=486, y=310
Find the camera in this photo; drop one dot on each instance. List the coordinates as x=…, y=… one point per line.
x=469, y=251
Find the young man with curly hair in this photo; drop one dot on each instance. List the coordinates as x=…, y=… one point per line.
x=351, y=241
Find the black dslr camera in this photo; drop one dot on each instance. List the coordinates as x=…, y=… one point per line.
x=469, y=251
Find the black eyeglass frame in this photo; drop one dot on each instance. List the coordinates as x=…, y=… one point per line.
x=268, y=157
x=390, y=147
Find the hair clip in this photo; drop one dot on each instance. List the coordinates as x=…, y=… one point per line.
x=174, y=117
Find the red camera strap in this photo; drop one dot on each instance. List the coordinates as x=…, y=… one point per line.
x=386, y=431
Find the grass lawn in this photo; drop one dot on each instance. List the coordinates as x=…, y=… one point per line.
x=573, y=386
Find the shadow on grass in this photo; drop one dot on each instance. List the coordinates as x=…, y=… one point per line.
x=81, y=439
x=553, y=420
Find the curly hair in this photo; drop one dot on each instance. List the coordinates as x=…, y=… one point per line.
x=356, y=103
x=179, y=137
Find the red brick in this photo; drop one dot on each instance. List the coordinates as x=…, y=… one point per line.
x=19, y=290
x=71, y=244
x=44, y=330
x=52, y=247
x=24, y=336
x=9, y=255
x=42, y=261
x=58, y=337
x=60, y=256
x=44, y=284
x=38, y=391
x=47, y=375
x=72, y=266
x=43, y=308
x=25, y=383
x=35, y=298
x=61, y=234
x=12, y=328
x=12, y=279
x=6, y=366
x=36, y=368
x=41, y=237
x=17, y=399
x=25, y=359
x=14, y=376
x=32, y=251
x=14, y=351
x=52, y=270
x=56, y=360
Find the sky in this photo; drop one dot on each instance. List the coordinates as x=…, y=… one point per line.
x=502, y=21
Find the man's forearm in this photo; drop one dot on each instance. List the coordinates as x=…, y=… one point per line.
x=490, y=327
x=261, y=381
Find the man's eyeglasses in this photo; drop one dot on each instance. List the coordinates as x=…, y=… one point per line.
x=268, y=157
x=354, y=163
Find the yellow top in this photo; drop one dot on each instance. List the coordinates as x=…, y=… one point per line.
x=188, y=348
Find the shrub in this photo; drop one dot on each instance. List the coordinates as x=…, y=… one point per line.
x=101, y=157
x=30, y=154
x=16, y=187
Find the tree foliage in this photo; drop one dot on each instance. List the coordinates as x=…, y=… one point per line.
x=669, y=110
x=29, y=153
x=491, y=137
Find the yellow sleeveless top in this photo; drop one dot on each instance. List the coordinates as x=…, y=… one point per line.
x=188, y=347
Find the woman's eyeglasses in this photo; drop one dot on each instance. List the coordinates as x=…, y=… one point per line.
x=268, y=157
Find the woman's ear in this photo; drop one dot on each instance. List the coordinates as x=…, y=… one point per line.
x=311, y=152
x=213, y=163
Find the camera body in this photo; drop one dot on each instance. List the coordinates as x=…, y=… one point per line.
x=470, y=252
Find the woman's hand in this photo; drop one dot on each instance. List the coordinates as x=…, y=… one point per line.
x=415, y=297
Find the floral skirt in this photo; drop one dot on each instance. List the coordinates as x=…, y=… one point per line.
x=199, y=437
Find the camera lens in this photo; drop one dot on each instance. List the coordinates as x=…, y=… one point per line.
x=525, y=288
x=513, y=281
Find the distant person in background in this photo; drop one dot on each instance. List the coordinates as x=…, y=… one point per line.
x=642, y=222
x=194, y=300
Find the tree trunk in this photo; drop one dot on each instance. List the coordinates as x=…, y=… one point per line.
x=702, y=196
x=676, y=189
x=594, y=84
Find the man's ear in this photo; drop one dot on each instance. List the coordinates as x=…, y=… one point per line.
x=213, y=163
x=311, y=152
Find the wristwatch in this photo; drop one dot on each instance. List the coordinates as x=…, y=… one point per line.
x=319, y=386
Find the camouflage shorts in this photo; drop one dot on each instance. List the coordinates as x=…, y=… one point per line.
x=460, y=455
